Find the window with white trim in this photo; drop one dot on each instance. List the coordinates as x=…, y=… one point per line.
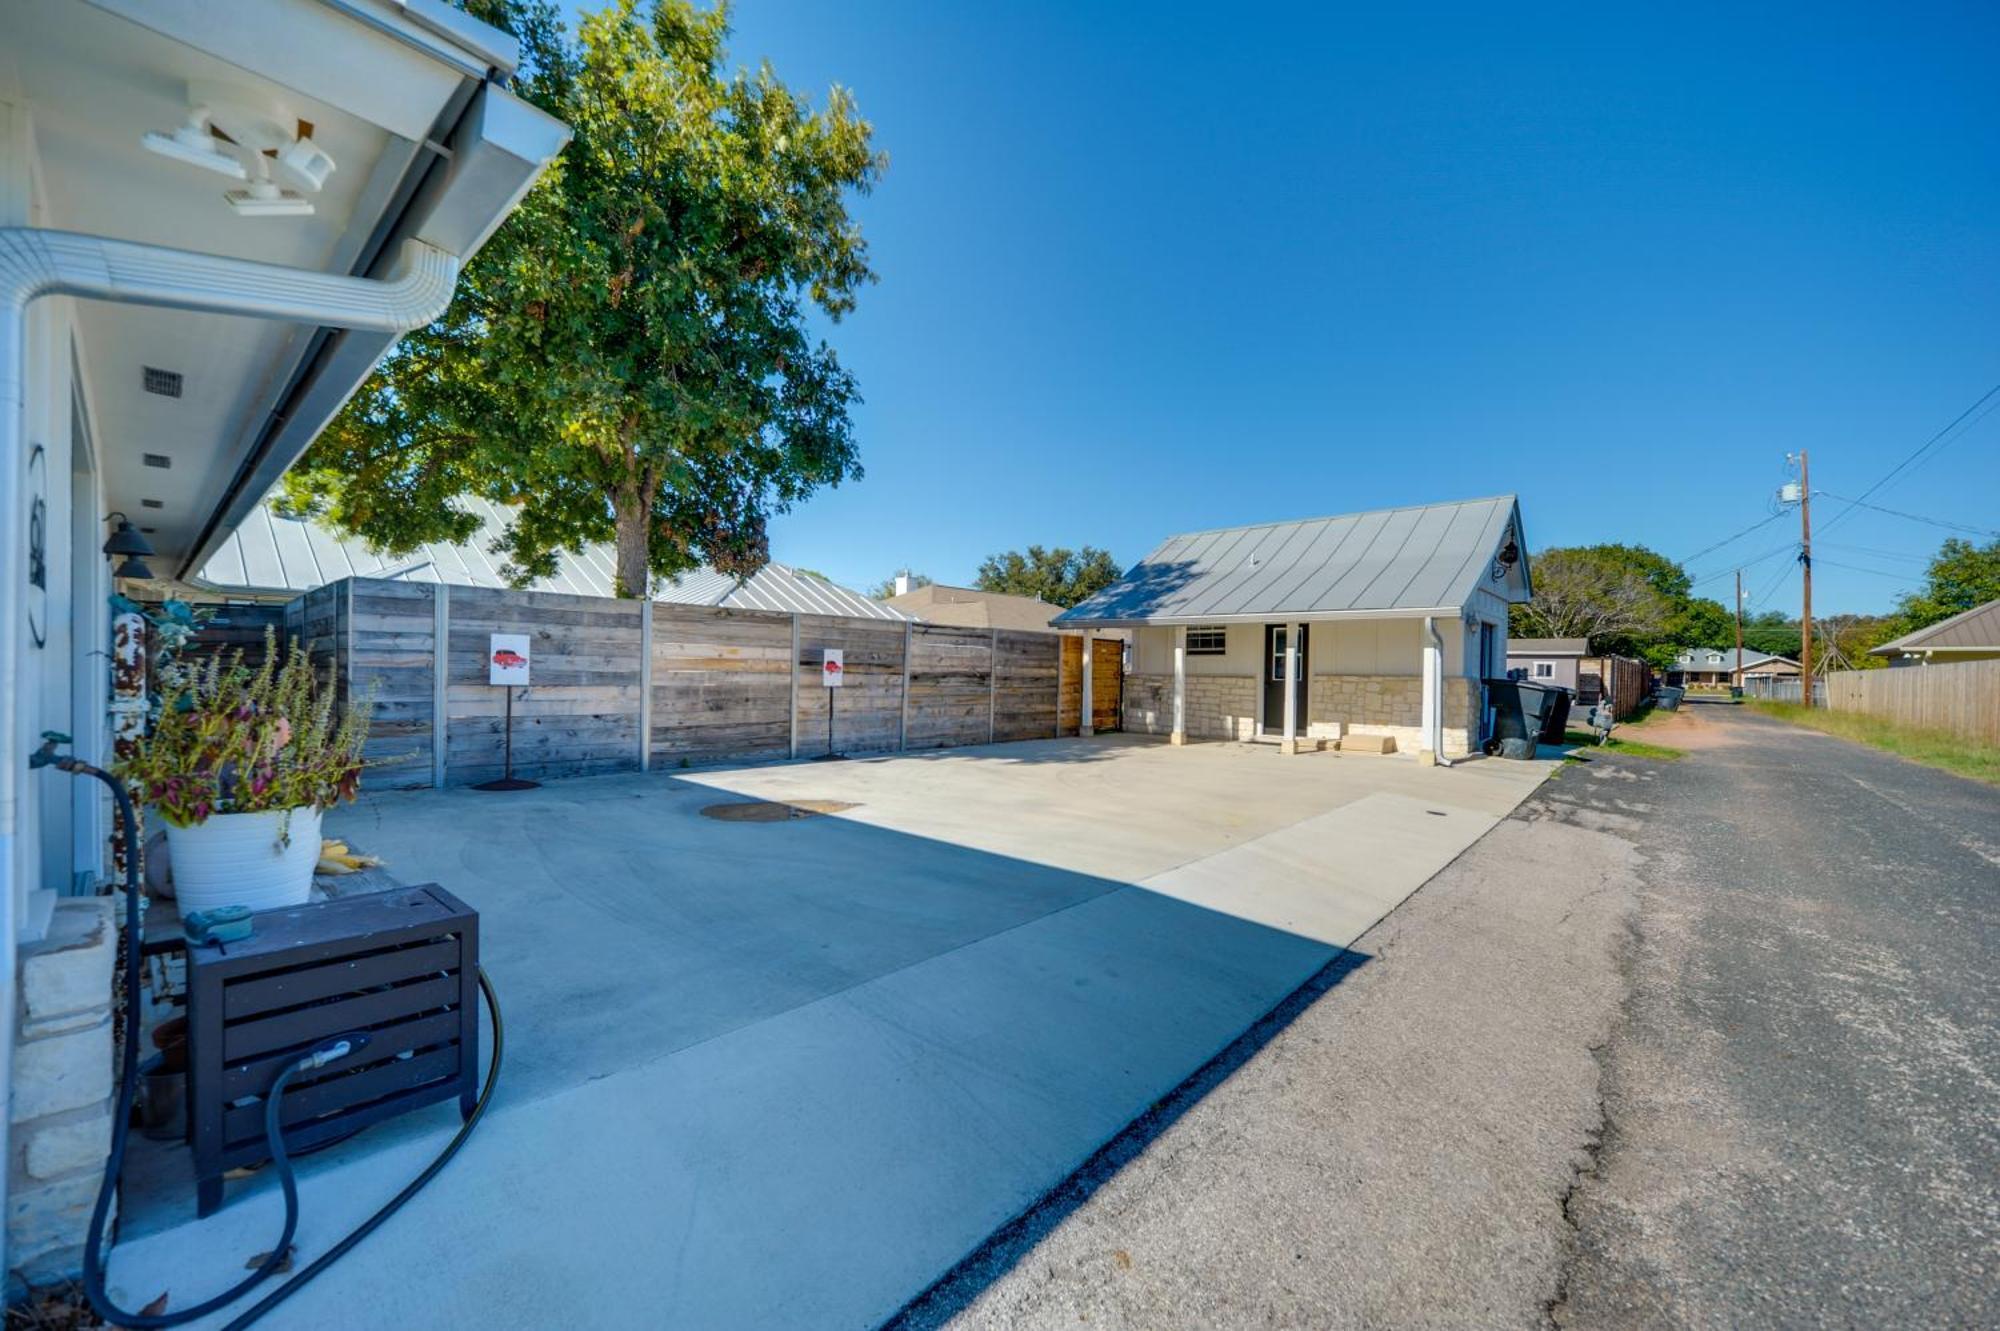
x=1208, y=640
x=1545, y=670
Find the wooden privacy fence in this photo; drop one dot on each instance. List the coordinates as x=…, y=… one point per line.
x=629, y=685
x=1962, y=697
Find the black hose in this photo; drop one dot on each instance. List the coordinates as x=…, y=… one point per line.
x=93, y=1249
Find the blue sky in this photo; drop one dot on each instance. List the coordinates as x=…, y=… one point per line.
x=1152, y=268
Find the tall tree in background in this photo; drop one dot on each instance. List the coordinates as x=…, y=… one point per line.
x=629, y=358
x=1060, y=576
x=1961, y=575
x=1772, y=633
x=1592, y=592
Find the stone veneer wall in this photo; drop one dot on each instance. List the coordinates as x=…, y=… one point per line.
x=61, y=1106
x=1218, y=706
x=1225, y=707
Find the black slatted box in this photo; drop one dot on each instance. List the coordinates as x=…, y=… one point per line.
x=402, y=965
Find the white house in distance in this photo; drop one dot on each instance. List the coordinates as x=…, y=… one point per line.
x=215, y=217
x=1370, y=625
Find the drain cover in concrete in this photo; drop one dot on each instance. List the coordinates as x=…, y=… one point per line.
x=772, y=811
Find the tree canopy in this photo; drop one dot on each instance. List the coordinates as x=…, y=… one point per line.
x=1960, y=576
x=630, y=358
x=1059, y=576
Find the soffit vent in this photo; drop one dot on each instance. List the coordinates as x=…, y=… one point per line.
x=151, y=503
x=160, y=460
x=166, y=383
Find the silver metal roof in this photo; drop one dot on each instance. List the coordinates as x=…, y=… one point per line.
x=273, y=554
x=1389, y=561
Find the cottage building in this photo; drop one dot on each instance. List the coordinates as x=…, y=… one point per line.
x=1377, y=624
x=1970, y=635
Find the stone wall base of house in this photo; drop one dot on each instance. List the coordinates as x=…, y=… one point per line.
x=62, y=1089
x=1218, y=706
x=1225, y=707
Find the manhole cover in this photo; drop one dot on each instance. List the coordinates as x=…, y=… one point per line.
x=772, y=811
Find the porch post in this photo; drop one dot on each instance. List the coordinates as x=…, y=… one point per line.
x=1179, y=735
x=1290, y=742
x=1083, y=724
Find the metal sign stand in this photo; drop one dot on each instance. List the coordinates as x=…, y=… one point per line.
x=831, y=755
x=509, y=781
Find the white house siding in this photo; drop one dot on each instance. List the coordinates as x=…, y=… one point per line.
x=61, y=1059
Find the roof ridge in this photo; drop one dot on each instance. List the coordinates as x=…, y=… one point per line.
x=1358, y=513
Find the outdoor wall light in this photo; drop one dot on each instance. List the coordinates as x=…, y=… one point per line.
x=128, y=541
x=1510, y=555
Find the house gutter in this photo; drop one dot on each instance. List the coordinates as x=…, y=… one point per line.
x=36, y=263
x=1434, y=680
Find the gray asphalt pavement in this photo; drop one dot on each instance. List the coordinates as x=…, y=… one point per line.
x=1702, y=1043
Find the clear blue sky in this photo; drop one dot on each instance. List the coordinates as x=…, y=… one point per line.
x=1158, y=267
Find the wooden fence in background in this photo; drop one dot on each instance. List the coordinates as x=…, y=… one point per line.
x=1962, y=697
x=626, y=685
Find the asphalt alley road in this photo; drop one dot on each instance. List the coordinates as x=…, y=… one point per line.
x=1803, y=1092
x=1706, y=1043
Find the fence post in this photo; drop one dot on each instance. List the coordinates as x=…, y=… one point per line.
x=440, y=679
x=646, y=685
x=992, y=681
x=792, y=721
x=903, y=703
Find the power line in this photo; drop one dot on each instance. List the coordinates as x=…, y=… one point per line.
x=1904, y=575
x=1937, y=440
x=1913, y=517
x=1789, y=547
x=1877, y=551
x=1762, y=522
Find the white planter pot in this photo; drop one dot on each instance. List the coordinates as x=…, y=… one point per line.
x=238, y=859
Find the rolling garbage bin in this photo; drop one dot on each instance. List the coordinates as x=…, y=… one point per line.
x=1555, y=720
x=1522, y=713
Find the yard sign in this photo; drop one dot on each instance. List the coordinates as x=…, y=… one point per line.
x=833, y=667
x=507, y=660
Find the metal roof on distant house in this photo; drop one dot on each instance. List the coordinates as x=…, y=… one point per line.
x=1974, y=630
x=1548, y=647
x=1722, y=658
x=275, y=554
x=938, y=604
x=1391, y=561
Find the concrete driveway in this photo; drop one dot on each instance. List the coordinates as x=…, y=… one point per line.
x=787, y=1073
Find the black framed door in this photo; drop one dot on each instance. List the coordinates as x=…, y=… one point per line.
x=1274, y=678
x=1489, y=668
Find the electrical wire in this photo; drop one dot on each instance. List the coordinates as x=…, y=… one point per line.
x=1761, y=522
x=1918, y=455
x=1789, y=547
x=1913, y=517
x=1904, y=574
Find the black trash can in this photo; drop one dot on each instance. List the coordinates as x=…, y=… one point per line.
x=1523, y=712
x=1555, y=721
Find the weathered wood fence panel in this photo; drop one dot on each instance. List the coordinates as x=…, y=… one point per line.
x=1962, y=697
x=704, y=684
x=951, y=686
x=722, y=684
x=1026, y=666
x=868, y=713
x=580, y=713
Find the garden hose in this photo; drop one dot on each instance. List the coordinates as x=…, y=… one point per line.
x=339, y=1046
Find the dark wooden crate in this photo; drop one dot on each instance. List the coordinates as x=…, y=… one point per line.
x=400, y=965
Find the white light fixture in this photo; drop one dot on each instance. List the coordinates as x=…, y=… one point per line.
x=194, y=144
x=264, y=197
x=303, y=165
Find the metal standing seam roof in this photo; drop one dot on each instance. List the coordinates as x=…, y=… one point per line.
x=1974, y=630
x=1392, y=560
x=271, y=553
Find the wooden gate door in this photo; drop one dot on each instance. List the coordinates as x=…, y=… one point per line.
x=1107, y=684
x=1069, y=690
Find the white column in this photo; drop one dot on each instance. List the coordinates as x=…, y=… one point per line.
x=1180, y=685
x=1290, y=742
x=1083, y=727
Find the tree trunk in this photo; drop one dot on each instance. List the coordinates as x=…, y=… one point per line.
x=634, y=518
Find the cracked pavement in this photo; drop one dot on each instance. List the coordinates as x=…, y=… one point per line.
x=1680, y=1044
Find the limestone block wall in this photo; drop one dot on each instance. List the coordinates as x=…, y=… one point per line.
x=1218, y=706
x=1394, y=705
x=60, y=1109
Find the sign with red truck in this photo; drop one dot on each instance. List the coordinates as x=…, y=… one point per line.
x=507, y=660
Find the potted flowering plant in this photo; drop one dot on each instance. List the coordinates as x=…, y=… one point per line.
x=240, y=765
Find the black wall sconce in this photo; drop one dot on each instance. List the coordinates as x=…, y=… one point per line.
x=129, y=542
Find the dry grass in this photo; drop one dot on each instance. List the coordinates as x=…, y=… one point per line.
x=1933, y=748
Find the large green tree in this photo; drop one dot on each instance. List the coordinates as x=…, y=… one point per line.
x=1772, y=632
x=631, y=358
x=1060, y=576
x=1960, y=576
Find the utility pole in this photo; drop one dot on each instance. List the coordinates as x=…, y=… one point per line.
x=1805, y=563
x=1736, y=676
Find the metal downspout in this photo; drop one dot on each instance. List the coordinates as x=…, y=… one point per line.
x=1436, y=683
x=36, y=263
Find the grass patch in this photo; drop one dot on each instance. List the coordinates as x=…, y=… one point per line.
x=1933, y=748
x=1585, y=739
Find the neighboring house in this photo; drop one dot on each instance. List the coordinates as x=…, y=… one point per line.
x=1703, y=666
x=1384, y=623
x=172, y=336
x=275, y=557
x=1549, y=660
x=1970, y=635
x=968, y=606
